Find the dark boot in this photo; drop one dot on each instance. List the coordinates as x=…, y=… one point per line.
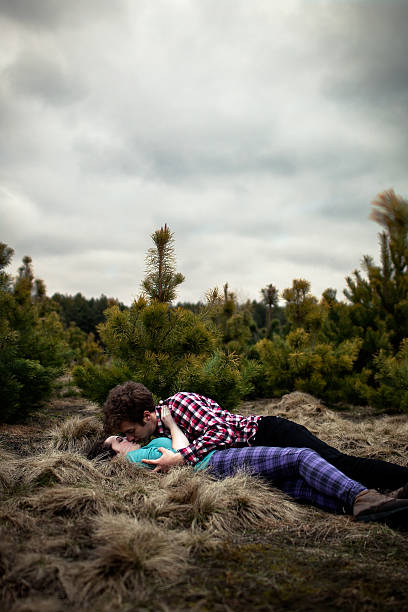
x=370, y=505
x=401, y=493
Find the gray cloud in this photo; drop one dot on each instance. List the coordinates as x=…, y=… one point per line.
x=44, y=77
x=259, y=132
x=50, y=13
x=367, y=64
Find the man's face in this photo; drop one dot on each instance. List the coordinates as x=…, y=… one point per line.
x=135, y=432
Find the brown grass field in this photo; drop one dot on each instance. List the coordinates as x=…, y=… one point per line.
x=82, y=535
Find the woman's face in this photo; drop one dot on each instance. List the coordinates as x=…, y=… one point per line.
x=120, y=445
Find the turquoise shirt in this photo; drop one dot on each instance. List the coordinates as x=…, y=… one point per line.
x=151, y=451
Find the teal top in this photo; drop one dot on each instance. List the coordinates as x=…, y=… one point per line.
x=151, y=451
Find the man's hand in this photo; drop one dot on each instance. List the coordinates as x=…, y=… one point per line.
x=166, y=416
x=166, y=461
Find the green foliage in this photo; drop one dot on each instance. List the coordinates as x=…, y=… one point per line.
x=167, y=349
x=380, y=298
x=218, y=377
x=82, y=312
x=84, y=346
x=392, y=380
x=378, y=310
x=95, y=381
x=234, y=321
x=301, y=308
x=270, y=296
x=161, y=277
x=273, y=356
x=33, y=349
x=298, y=363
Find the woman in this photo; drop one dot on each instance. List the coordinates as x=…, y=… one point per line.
x=299, y=472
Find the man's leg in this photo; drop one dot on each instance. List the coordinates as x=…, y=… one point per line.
x=372, y=473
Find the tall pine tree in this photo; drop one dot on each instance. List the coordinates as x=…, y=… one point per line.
x=161, y=277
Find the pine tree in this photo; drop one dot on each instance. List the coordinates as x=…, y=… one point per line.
x=301, y=308
x=161, y=277
x=380, y=298
x=33, y=349
x=270, y=296
x=167, y=349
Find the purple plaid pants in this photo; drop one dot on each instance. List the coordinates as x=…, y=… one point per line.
x=299, y=472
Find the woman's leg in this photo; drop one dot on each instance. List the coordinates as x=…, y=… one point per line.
x=319, y=479
x=372, y=473
x=302, y=492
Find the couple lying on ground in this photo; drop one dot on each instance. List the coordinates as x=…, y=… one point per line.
x=280, y=451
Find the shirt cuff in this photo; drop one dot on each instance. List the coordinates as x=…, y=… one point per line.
x=188, y=455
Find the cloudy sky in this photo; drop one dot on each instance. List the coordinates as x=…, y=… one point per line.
x=259, y=131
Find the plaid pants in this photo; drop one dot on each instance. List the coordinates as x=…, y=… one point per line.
x=299, y=472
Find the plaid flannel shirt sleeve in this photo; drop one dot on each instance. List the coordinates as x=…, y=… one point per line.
x=195, y=417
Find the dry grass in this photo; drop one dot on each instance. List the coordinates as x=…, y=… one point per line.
x=8, y=467
x=75, y=434
x=130, y=554
x=81, y=535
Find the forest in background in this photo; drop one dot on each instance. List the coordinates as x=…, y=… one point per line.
x=344, y=351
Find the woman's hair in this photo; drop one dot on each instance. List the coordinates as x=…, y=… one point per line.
x=126, y=402
x=101, y=450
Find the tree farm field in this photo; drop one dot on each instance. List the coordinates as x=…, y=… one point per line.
x=87, y=535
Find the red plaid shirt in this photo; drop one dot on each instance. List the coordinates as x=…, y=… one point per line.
x=206, y=424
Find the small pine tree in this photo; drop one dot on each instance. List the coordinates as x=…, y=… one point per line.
x=234, y=321
x=161, y=277
x=391, y=392
x=299, y=363
x=270, y=296
x=301, y=308
x=378, y=294
x=167, y=349
x=33, y=349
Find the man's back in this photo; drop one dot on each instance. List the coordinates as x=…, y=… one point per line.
x=206, y=424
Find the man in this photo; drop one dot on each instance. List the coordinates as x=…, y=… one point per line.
x=130, y=408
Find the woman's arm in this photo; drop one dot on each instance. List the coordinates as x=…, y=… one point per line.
x=178, y=438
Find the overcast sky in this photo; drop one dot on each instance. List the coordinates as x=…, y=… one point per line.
x=259, y=131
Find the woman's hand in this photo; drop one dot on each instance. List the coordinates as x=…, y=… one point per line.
x=166, y=416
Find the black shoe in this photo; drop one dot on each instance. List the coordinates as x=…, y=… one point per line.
x=370, y=505
x=401, y=493
x=393, y=513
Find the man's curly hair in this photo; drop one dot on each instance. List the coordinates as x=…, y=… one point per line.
x=126, y=402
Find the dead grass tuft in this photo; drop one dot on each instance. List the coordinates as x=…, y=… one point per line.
x=75, y=434
x=71, y=501
x=12, y=517
x=243, y=502
x=184, y=498
x=39, y=604
x=172, y=500
x=128, y=552
x=31, y=574
x=9, y=468
x=6, y=455
x=57, y=467
x=292, y=401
